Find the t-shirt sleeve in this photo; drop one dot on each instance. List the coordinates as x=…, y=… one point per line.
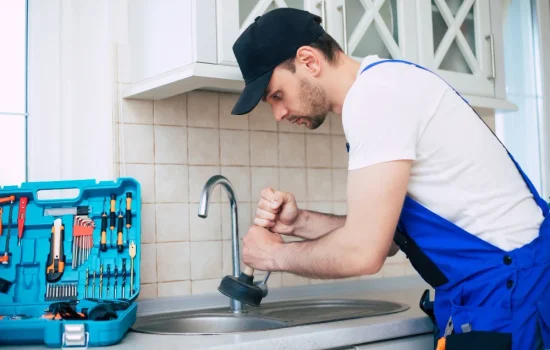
x=379, y=124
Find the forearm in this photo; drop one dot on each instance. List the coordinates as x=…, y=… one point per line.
x=312, y=224
x=334, y=255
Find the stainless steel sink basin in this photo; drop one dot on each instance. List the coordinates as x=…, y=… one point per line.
x=270, y=315
x=209, y=324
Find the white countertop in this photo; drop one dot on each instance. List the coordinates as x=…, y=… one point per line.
x=325, y=335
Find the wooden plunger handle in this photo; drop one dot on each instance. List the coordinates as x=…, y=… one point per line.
x=248, y=271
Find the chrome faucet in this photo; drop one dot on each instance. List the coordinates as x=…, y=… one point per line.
x=235, y=305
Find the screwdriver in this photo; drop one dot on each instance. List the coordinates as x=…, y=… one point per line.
x=128, y=214
x=103, y=245
x=113, y=218
x=21, y=218
x=120, y=246
x=5, y=259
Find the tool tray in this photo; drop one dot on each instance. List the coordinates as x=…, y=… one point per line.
x=37, y=282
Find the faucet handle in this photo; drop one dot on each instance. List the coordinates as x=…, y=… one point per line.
x=263, y=284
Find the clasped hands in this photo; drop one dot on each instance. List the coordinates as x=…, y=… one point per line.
x=277, y=214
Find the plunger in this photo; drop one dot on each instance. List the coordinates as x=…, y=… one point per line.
x=242, y=288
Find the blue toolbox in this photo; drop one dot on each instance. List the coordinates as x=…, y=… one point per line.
x=69, y=262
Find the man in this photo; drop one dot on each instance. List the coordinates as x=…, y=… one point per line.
x=425, y=174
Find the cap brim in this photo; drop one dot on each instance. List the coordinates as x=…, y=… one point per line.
x=252, y=94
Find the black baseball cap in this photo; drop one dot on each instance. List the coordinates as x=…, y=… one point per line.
x=272, y=39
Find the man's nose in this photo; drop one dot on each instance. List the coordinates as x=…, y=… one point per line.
x=279, y=112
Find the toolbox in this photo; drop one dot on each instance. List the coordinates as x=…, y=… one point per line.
x=69, y=262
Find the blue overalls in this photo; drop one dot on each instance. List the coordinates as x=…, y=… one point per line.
x=486, y=298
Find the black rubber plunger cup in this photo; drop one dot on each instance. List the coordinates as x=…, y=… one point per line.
x=242, y=288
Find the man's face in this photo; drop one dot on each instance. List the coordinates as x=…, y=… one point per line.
x=297, y=98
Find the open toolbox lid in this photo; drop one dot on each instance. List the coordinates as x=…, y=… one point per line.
x=60, y=250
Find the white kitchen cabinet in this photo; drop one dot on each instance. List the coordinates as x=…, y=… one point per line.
x=365, y=27
x=234, y=16
x=184, y=45
x=457, y=42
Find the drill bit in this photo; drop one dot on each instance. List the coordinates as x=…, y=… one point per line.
x=86, y=286
x=123, y=277
x=132, y=256
x=93, y=287
x=100, y=280
x=108, y=278
x=116, y=276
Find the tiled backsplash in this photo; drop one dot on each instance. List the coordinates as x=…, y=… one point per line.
x=175, y=145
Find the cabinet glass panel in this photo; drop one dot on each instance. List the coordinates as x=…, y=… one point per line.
x=259, y=7
x=454, y=35
x=372, y=28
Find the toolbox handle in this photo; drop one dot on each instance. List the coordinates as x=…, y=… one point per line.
x=78, y=185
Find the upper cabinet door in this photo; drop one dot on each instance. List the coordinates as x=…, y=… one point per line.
x=457, y=43
x=234, y=16
x=374, y=27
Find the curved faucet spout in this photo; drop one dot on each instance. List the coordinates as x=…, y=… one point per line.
x=203, y=213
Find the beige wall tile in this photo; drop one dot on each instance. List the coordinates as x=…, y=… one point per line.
x=319, y=184
x=263, y=148
x=204, y=146
x=409, y=269
x=138, y=144
x=148, y=226
x=174, y=289
x=198, y=176
x=209, y=228
x=339, y=184
x=145, y=175
x=292, y=150
x=321, y=207
x=340, y=208
x=340, y=156
x=228, y=120
x=171, y=110
x=136, y=111
x=148, y=266
x=202, y=109
x=243, y=212
x=275, y=280
x=379, y=274
x=290, y=280
x=205, y=286
x=206, y=260
x=170, y=144
x=172, y=222
x=336, y=126
x=147, y=291
x=293, y=180
x=172, y=183
x=234, y=147
x=318, y=151
x=240, y=179
x=261, y=118
x=173, y=261
x=262, y=178
x=393, y=270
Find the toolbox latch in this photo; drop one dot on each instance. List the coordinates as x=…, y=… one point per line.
x=75, y=337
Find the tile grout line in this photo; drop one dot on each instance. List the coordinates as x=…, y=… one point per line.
x=155, y=200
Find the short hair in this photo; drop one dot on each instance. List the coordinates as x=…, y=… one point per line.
x=328, y=47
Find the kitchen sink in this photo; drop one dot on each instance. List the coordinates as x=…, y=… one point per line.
x=271, y=315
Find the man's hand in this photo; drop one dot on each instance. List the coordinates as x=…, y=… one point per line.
x=260, y=247
x=277, y=211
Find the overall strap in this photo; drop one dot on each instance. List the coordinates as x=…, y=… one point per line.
x=540, y=202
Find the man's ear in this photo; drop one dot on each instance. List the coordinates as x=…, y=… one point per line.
x=307, y=57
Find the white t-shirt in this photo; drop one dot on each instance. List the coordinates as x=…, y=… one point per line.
x=460, y=171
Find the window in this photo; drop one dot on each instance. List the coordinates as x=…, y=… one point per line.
x=521, y=130
x=13, y=91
